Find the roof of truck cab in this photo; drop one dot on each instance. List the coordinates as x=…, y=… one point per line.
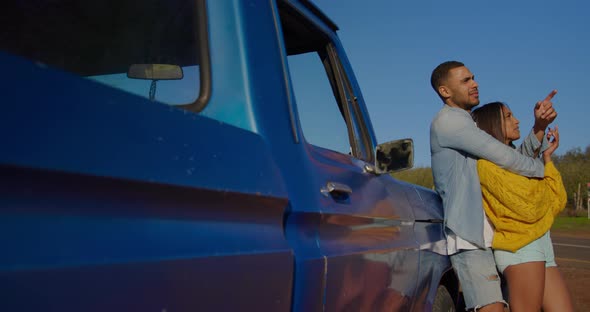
x=315, y=10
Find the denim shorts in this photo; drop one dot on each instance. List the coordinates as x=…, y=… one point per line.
x=540, y=249
x=478, y=276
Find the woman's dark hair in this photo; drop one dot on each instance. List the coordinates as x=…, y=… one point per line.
x=489, y=119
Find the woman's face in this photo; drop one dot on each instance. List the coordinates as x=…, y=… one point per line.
x=510, y=125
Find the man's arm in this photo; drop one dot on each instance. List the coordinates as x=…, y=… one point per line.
x=457, y=131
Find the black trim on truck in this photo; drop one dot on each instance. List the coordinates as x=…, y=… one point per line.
x=205, y=60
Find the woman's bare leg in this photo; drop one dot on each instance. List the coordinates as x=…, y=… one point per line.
x=557, y=297
x=526, y=284
x=498, y=306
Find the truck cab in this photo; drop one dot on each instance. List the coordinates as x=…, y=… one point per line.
x=182, y=155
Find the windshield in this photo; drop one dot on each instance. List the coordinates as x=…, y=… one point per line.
x=101, y=40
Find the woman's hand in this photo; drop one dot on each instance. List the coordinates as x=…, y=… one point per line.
x=553, y=139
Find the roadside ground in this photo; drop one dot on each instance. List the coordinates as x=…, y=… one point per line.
x=575, y=271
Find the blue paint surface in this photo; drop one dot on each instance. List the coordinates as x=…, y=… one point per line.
x=109, y=201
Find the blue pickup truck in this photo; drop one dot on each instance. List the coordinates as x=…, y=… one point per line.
x=201, y=155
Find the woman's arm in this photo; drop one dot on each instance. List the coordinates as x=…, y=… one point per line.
x=525, y=199
x=508, y=195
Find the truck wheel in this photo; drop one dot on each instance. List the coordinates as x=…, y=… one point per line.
x=443, y=302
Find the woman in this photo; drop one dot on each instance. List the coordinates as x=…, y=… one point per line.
x=522, y=211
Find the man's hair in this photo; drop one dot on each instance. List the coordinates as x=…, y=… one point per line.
x=440, y=73
x=489, y=119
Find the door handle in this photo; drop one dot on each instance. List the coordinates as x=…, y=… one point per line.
x=336, y=190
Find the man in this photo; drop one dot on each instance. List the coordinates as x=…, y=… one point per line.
x=455, y=145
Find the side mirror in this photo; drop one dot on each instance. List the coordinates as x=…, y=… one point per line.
x=394, y=156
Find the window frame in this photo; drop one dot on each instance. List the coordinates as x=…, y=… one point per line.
x=354, y=113
x=205, y=61
x=344, y=93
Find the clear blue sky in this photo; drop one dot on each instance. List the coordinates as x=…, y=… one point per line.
x=518, y=50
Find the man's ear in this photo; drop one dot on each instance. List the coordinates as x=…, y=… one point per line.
x=444, y=92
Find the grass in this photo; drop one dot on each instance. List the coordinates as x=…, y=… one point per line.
x=571, y=224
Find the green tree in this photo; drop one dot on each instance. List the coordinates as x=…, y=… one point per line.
x=420, y=176
x=574, y=167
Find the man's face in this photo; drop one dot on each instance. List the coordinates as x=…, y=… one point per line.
x=460, y=89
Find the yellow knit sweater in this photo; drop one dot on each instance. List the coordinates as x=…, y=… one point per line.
x=521, y=209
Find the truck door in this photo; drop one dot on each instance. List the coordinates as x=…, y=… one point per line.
x=365, y=229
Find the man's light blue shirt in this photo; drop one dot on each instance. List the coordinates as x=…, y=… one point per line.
x=455, y=145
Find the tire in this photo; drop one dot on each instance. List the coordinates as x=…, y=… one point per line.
x=443, y=302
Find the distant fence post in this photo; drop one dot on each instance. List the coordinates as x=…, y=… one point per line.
x=579, y=199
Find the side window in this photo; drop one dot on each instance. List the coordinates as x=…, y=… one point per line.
x=327, y=107
x=321, y=119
